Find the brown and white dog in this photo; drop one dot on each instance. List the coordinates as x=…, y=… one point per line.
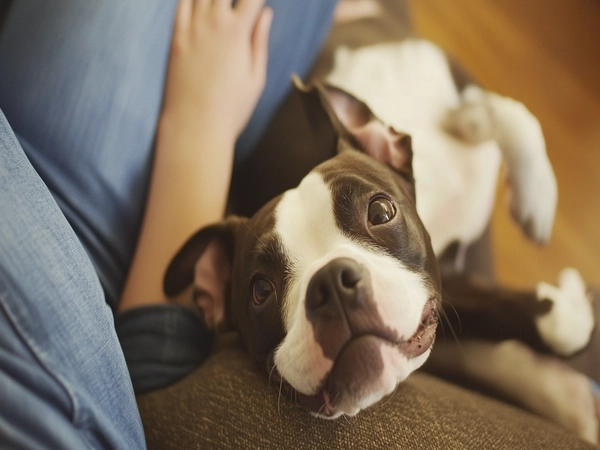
x=334, y=275
x=334, y=284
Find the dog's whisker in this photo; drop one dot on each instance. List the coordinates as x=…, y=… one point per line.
x=251, y=230
x=387, y=400
x=271, y=373
x=444, y=315
x=279, y=397
x=321, y=409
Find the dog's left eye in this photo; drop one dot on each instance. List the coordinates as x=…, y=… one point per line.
x=262, y=289
x=381, y=210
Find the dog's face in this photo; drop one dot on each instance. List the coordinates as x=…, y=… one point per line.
x=333, y=284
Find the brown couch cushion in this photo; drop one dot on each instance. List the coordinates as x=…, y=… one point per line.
x=227, y=403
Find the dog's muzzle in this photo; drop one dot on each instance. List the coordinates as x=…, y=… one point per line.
x=348, y=327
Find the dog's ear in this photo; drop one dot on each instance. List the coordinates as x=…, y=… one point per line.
x=357, y=125
x=205, y=261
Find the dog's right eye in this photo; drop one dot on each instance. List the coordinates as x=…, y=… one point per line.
x=381, y=210
x=262, y=289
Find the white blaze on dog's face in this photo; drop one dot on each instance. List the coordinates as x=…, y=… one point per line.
x=333, y=284
x=359, y=302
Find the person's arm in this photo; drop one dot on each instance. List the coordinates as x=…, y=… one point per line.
x=217, y=71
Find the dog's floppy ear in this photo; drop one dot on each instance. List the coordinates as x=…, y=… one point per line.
x=356, y=123
x=205, y=261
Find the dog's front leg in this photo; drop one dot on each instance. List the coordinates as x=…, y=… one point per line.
x=559, y=319
x=504, y=340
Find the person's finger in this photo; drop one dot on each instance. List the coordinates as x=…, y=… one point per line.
x=200, y=8
x=250, y=10
x=222, y=4
x=202, y=5
x=260, y=42
x=183, y=15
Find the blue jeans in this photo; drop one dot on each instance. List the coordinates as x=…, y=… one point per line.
x=80, y=88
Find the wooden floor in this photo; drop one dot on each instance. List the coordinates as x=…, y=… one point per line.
x=547, y=55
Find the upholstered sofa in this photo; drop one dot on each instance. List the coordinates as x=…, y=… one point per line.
x=228, y=404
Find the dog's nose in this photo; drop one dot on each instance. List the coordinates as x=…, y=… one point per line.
x=336, y=286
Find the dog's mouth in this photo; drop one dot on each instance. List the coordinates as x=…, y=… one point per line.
x=423, y=338
x=355, y=377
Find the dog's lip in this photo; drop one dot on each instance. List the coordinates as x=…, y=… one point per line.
x=423, y=338
x=320, y=403
x=323, y=401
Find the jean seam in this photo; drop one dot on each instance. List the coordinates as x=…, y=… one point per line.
x=75, y=416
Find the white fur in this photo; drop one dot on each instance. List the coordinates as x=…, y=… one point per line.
x=408, y=85
x=306, y=226
x=456, y=139
x=569, y=324
x=534, y=192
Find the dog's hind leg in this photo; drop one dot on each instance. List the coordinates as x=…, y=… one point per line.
x=483, y=115
x=539, y=383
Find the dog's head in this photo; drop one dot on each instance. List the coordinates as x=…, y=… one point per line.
x=333, y=284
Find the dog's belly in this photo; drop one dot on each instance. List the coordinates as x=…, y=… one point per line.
x=409, y=85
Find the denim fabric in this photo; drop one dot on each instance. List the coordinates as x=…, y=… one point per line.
x=162, y=344
x=298, y=31
x=81, y=85
x=63, y=377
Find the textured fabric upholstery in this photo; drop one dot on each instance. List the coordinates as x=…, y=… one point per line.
x=227, y=403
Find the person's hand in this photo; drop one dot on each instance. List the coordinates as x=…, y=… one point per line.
x=216, y=74
x=218, y=63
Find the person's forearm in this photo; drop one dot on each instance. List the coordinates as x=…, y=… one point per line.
x=217, y=70
x=188, y=164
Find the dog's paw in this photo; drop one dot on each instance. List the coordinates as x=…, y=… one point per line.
x=533, y=191
x=567, y=327
x=533, y=196
x=470, y=121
